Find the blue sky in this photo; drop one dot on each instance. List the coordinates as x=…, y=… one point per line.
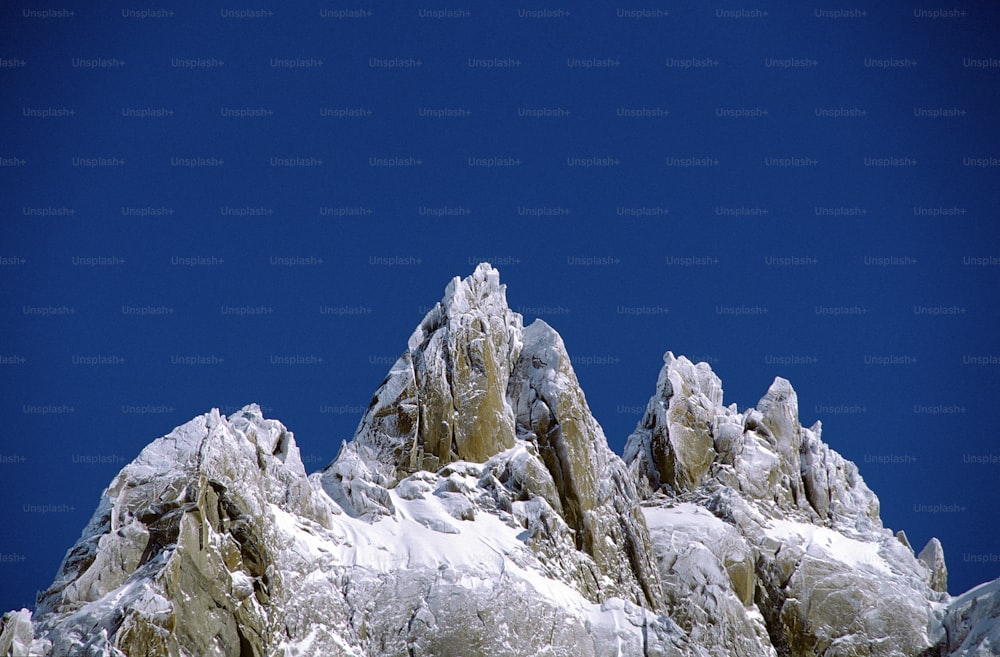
x=191, y=200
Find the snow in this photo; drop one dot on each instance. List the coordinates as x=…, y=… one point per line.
x=826, y=543
x=972, y=621
x=480, y=551
x=687, y=515
x=306, y=646
x=242, y=584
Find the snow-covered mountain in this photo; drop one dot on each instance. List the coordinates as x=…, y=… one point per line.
x=479, y=511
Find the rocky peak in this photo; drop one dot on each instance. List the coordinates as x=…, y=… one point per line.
x=687, y=439
x=474, y=384
x=780, y=410
x=674, y=442
x=444, y=399
x=179, y=557
x=932, y=556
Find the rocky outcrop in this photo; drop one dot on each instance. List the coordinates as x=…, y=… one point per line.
x=179, y=557
x=16, y=633
x=707, y=571
x=674, y=444
x=813, y=559
x=687, y=438
x=445, y=398
x=971, y=623
x=932, y=557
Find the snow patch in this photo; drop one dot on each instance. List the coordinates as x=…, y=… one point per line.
x=825, y=543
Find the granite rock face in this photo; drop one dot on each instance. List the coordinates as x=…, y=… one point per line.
x=597, y=497
x=445, y=398
x=478, y=510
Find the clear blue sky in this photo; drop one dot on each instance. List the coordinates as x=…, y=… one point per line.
x=643, y=182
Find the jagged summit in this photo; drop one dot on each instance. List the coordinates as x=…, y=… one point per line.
x=444, y=399
x=480, y=293
x=478, y=510
x=688, y=439
x=801, y=538
x=475, y=383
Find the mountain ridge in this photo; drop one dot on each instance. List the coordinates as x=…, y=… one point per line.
x=478, y=495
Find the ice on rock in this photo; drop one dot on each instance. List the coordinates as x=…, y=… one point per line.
x=16, y=633
x=971, y=623
x=707, y=570
x=350, y=483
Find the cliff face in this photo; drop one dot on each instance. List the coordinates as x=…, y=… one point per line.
x=479, y=511
x=598, y=498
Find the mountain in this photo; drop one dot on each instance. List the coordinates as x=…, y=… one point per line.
x=478, y=510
